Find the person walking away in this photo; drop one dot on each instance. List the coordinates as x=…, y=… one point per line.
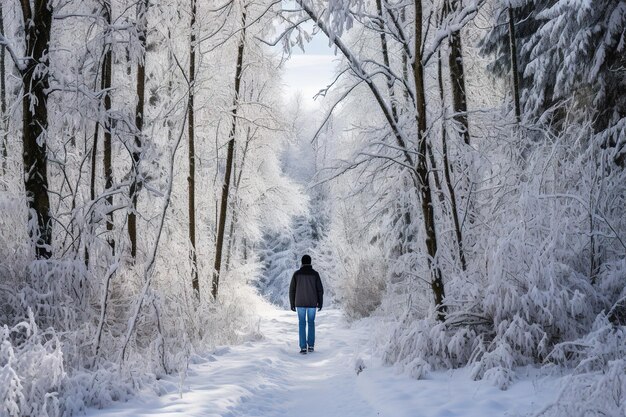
x=306, y=293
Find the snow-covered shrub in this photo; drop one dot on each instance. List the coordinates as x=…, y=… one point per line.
x=31, y=370
x=234, y=318
x=548, y=259
x=418, y=345
x=363, y=286
x=597, y=385
x=98, y=388
x=553, y=270
x=360, y=276
x=54, y=286
x=356, y=271
x=496, y=366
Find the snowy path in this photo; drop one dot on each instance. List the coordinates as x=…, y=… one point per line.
x=270, y=378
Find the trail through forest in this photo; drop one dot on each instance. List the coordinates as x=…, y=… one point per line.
x=268, y=377
x=461, y=166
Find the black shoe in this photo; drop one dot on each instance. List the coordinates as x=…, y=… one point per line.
x=311, y=349
x=303, y=351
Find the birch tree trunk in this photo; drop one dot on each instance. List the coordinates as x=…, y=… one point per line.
x=229, y=162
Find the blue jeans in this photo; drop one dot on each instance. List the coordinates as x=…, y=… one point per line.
x=306, y=314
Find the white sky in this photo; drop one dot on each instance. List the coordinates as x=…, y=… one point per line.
x=310, y=71
x=308, y=74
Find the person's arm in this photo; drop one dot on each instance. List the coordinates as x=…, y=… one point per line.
x=292, y=293
x=320, y=292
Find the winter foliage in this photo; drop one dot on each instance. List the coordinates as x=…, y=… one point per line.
x=464, y=179
x=92, y=324
x=540, y=202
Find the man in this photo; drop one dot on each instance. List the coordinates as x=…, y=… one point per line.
x=306, y=294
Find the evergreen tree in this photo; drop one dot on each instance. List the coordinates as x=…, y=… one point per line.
x=578, y=52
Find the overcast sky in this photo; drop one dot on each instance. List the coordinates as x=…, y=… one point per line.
x=310, y=71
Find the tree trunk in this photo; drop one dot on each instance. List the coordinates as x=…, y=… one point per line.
x=107, y=164
x=35, y=120
x=142, y=23
x=3, y=101
x=404, y=239
x=405, y=59
x=231, y=239
x=446, y=171
x=457, y=76
x=424, y=189
x=229, y=163
x=192, y=152
x=514, y=69
x=233, y=219
x=385, y=51
x=94, y=154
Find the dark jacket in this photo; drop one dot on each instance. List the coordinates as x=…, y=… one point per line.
x=306, y=288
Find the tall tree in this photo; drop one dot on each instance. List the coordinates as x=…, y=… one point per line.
x=142, y=29
x=424, y=189
x=33, y=68
x=3, y=99
x=514, y=69
x=585, y=65
x=446, y=170
x=96, y=134
x=419, y=167
x=386, y=61
x=107, y=73
x=459, y=106
x=219, y=244
x=513, y=26
x=238, y=176
x=192, y=152
x=457, y=74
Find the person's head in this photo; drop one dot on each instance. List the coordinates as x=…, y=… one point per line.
x=306, y=260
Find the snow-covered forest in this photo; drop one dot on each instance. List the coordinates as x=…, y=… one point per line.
x=460, y=186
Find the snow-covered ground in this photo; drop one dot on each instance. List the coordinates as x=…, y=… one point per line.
x=269, y=378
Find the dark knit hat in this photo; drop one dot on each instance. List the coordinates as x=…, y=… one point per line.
x=306, y=260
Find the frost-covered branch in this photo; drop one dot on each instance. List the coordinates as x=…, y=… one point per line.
x=19, y=62
x=148, y=272
x=361, y=73
x=458, y=22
